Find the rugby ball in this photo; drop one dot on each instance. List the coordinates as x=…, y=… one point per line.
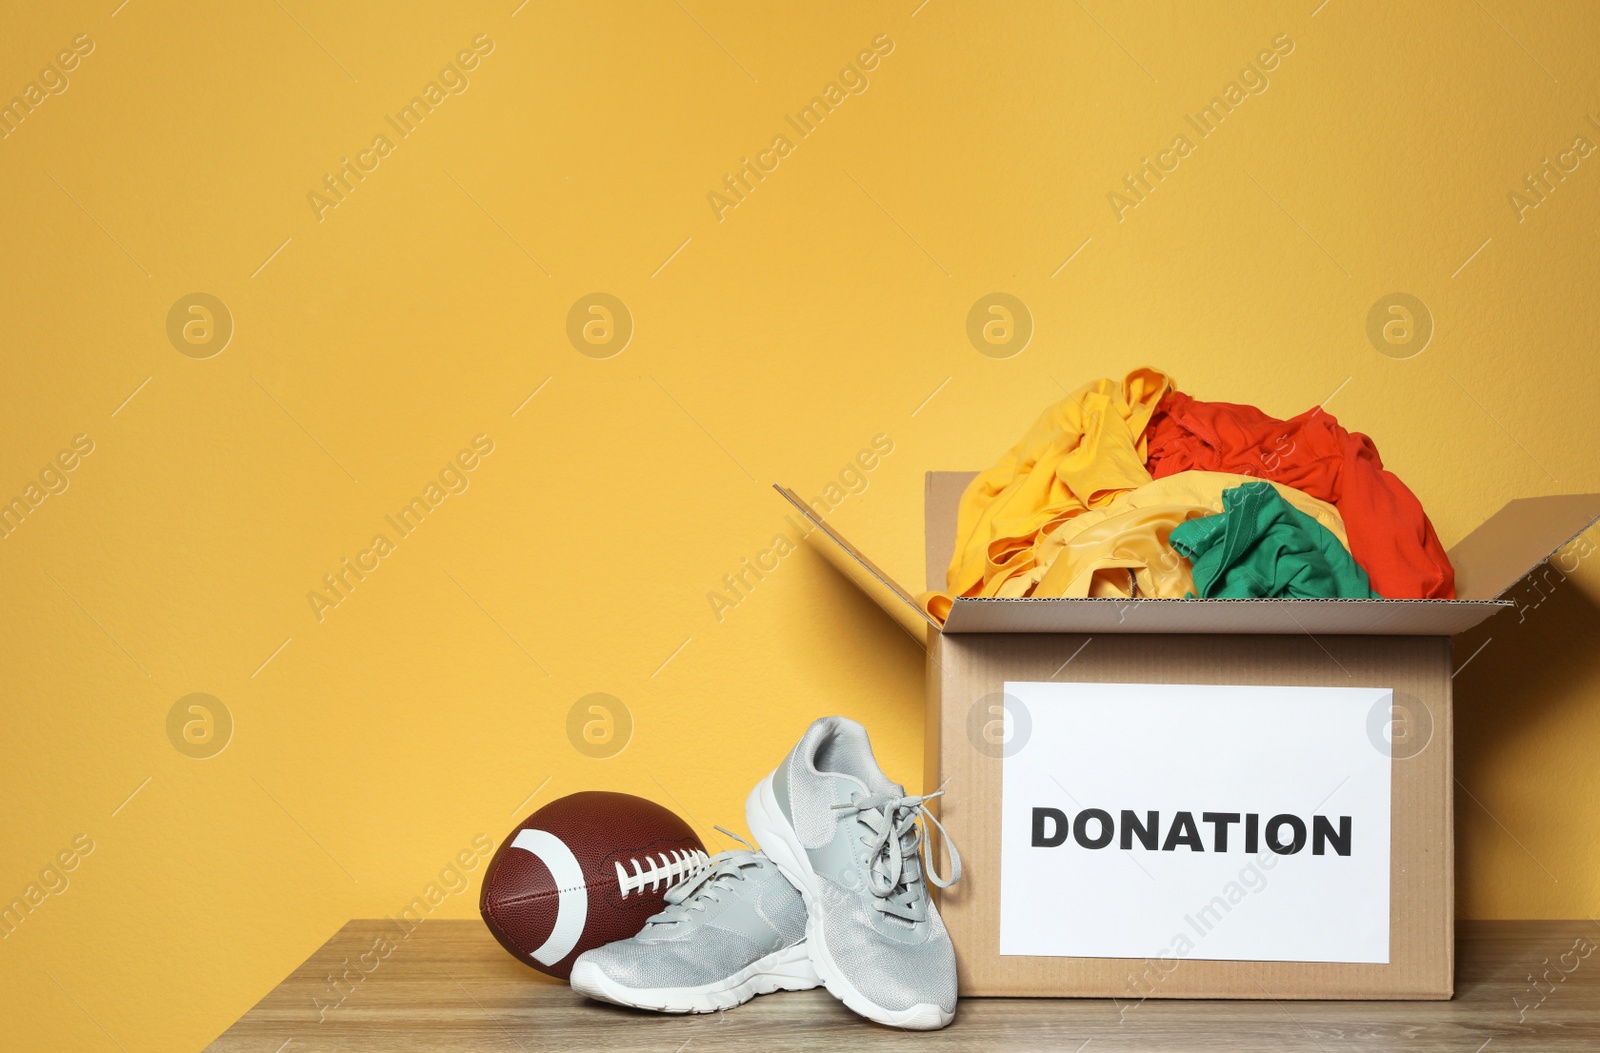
x=583, y=871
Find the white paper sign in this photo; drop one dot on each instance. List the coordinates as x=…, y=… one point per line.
x=1193, y=821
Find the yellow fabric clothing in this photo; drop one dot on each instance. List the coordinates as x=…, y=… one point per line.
x=1121, y=549
x=1080, y=454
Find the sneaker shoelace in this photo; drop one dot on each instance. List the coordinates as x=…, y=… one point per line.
x=896, y=827
x=699, y=890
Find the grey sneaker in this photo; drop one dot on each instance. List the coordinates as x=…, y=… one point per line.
x=847, y=837
x=735, y=931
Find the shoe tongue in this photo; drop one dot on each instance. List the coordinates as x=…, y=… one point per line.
x=708, y=875
x=846, y=786
x=732, y=855
x=725, y=865
x=883, y=787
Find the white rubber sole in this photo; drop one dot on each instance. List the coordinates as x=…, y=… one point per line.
x=782, y=845
x=788, y=969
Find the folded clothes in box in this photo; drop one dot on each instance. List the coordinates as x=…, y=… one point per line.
x=1087, y=503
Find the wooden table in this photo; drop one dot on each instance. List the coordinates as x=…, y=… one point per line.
x=449, y=986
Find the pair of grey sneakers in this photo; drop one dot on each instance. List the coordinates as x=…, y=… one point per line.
x=838, y=897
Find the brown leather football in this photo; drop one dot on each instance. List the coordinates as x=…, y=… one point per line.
x=583, y=871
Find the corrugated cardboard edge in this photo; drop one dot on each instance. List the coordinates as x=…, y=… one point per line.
x=1271, y=616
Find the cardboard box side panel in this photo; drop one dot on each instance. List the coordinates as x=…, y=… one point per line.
x=1445, y=732
x=1516, y=539
x=1421, y=869
x=932, y=773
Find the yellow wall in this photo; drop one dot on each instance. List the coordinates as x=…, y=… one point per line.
x=375, y=338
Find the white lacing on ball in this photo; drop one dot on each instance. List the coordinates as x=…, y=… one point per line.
x=664, y=870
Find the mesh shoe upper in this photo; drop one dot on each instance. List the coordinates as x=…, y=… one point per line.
x=737, y=912
x=895, y=973
x=861, y=833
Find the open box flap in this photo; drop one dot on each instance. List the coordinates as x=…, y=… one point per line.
x=941, y=497
x=849, y=561
x=1516, y=540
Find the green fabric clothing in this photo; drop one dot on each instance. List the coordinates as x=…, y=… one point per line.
x=1260, y=545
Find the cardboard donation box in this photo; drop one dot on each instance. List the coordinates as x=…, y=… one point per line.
x=1162, y=798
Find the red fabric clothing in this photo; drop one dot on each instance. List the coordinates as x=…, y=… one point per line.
x=1389, y=534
